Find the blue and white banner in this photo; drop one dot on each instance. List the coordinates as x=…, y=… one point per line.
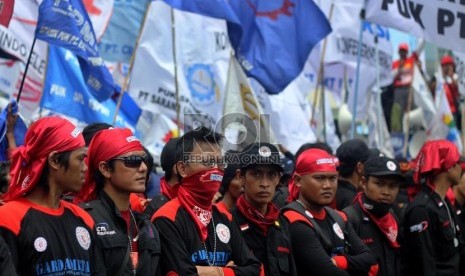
x=67, y=24
x=65, y=93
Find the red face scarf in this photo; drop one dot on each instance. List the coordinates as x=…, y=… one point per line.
x=196, y=193
x=105, y=145
x=28, y=161
x=435, y=157
x=386, y=224
x=253, y=215
x=167, y=190
x=311, y=161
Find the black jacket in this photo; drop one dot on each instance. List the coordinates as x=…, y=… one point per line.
x=374, y=239
x=431, y=243
x=155, y=203
x=112, y=236
x=6, y=262
x=273, y=250
x=185, y=249
x=335, y=238
x=345, y=194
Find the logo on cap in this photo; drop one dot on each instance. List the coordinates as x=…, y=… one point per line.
x=264, y=151
x=131, y=139
x=391, y=166
x=75, y=132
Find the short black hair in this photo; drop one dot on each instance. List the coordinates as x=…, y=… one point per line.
x=150, y=162
x=317, y=145
x=90, y=130
x=186, y=143
x=62, y=158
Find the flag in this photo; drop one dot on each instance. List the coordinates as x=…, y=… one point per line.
x=20, y=130
x=119, y=39
x=6, y=11
x=378, y=133
x=244, y=121
x=67, y=24
x=423, y=98
x=271, y=38
x=65, y=93
x=100, y=12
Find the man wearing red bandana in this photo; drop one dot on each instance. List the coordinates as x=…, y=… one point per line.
x=323, y=242
x=197, y=237
x=130, y=244
x=431, y=236
x=47, y=235
x=371, y=215
x=263, y=230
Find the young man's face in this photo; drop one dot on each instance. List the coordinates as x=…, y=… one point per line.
x=403, y=54
x=318, y=188
x=260, y=184
x=382, y=189
x=129, y=177
x=454, y=174
x=73, y=178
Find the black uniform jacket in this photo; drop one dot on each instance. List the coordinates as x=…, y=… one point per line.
x=185, y=250
x=335, y=238
x=374, y=239
x=345, y=194
x=112, y=236
x=273, y=250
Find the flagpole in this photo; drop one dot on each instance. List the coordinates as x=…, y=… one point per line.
x=175, y=63
x=25, y=70
x=320, y=76
x=357, y=75
x=378, y=96
x=131, y=64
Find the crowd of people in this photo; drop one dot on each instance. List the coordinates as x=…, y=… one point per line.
x=78, y=204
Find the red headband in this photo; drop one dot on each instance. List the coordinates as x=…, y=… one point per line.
x=28, y=161
x=435, y=157
x=105, y=145
x=311, y=161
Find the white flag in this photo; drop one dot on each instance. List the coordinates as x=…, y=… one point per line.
x=423, y=98
x=378, y=133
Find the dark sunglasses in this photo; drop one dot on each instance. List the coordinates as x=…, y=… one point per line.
x=132, y=161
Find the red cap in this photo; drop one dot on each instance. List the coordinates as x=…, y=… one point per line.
x=447, y=60
x=403, y=46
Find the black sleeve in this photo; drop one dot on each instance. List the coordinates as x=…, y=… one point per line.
x=245, y=261
x=309, y=253
x=360, y=258
x=96, y=257
x=10, y=240
x=418, y=240
x=175, y=256
x=6, y=261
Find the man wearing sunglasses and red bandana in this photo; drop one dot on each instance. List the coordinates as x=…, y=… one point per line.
x=45, y=234
x=128, y=241
x=197, y=237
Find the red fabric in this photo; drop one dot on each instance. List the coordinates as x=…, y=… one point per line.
x=435, y=157
x=451, y=196
x=138, y=202
x=6, y=12
x=387, y=224
x=105, y=145
x=403, y=46
x=311, y=161
x=28, y=161
x=341, y=262
x=196, y=194
x=227, y=271
x=405, y=74
x=445, y=60
x=452, y=95
x=167, y=190
x=253, y=215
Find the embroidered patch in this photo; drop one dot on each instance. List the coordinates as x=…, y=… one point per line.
x=264, y=151
x=83, y=237
x=391, y=166
x=40, y=244
x=420, y=227
x=337, y=229
x=223, y=232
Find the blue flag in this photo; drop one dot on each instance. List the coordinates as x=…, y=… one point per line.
x=65, y=23
x=65, y=93
x=19, y=130
x=275, y=38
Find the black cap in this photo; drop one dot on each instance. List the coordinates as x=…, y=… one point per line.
x=351, y=152
x=168, y=155
x=383, y=166
x=230, y=171
x=260, y=154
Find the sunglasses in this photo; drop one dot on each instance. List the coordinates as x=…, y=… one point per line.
x=132, y=161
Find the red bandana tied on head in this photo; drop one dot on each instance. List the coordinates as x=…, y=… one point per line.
x=386, y=224
x=105, y=145
x=435, y=157
x=28, y=161
x=195, y=195
x=253, y=215
x=311, y=161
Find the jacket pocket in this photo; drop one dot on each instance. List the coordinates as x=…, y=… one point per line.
x=283, y=260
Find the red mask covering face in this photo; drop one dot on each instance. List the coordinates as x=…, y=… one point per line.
x=28, y=161
x=195, y=195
